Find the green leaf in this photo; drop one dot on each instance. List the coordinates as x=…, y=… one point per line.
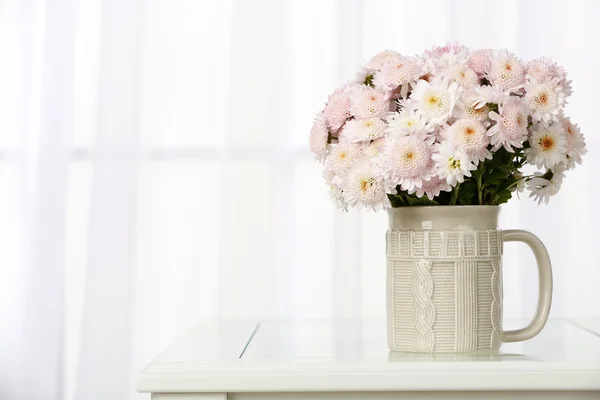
x=468, y=193
x=369, y=80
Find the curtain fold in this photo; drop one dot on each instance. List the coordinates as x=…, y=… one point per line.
x=154, y=171
x=107, y=318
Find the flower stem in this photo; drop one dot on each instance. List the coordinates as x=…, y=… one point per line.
x=455, y=194
x=478, y=178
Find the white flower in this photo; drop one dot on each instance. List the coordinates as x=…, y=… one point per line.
x=470, y=136
x=464, y=76
x=520, y=184
x=548, y=146
x=317, y=139
x=408, y=162
x=363, y=186
x=465, y=107
x=431, y=188
x=506, y=70
x=440, y=59
x=335, y=192
x=436, y=99
x=488, y=94
x=374, y=149
x=545, y=99
x=543, y=186
x=342, y=156
x=452, y=164
x=510, y=129
x=575, y=143
x=407, y=122
x=359, y=130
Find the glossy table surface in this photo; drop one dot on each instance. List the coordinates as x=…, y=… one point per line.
x=351, y=355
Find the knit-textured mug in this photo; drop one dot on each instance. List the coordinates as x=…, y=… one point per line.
x=444, y=280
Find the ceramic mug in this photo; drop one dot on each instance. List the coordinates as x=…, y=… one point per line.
x=444, y=280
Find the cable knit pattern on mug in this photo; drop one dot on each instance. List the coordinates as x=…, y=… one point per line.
x=496, y=304
x=424, y=308
x=445, y=290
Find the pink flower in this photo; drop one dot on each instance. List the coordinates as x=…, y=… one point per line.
x=337, y=109
x=542, y=69
x=367, y=102
x=510, y=129
x=408, y=162
x=382, y=59
x=431, y=188
x=470, y=136
x=506, y=71
x=575, y=143
x=479, y=61
x=318, y=138
x=449, y=48
x=398, y=73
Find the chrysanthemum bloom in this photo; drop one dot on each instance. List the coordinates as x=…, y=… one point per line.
x=506, y=70
x=575, y=143
x=408, y=162
x=400, y=73
x=436, y=99
x=543, y=186
x=548, y=146
x=367, y=102
x=470, y=136
x=448, y=48
x=360, y=130
x=432, y=188
x=542, y=69
x=363, y=186
x=337, y=109
x=545, y=99
x=488, y=94
x=464, y=76
x=382, y=59
x=440, y=59
x=466, y=107
x=510, y=128
x=374, y=149
x=479, y=61
x=406, y=122
x=341, y=157
x=452, y=164
x=317, y=139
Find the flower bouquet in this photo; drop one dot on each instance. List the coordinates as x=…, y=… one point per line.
x=448, y=127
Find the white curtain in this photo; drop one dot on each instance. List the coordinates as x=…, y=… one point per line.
x=154, y=171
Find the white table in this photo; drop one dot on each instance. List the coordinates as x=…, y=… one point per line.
x=348, y=359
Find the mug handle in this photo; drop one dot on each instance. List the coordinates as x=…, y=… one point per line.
x=544, y=283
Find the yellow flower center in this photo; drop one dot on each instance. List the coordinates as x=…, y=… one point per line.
x=432, y=100
x=454, y=163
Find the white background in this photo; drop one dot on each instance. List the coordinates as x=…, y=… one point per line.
x=154, y=170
